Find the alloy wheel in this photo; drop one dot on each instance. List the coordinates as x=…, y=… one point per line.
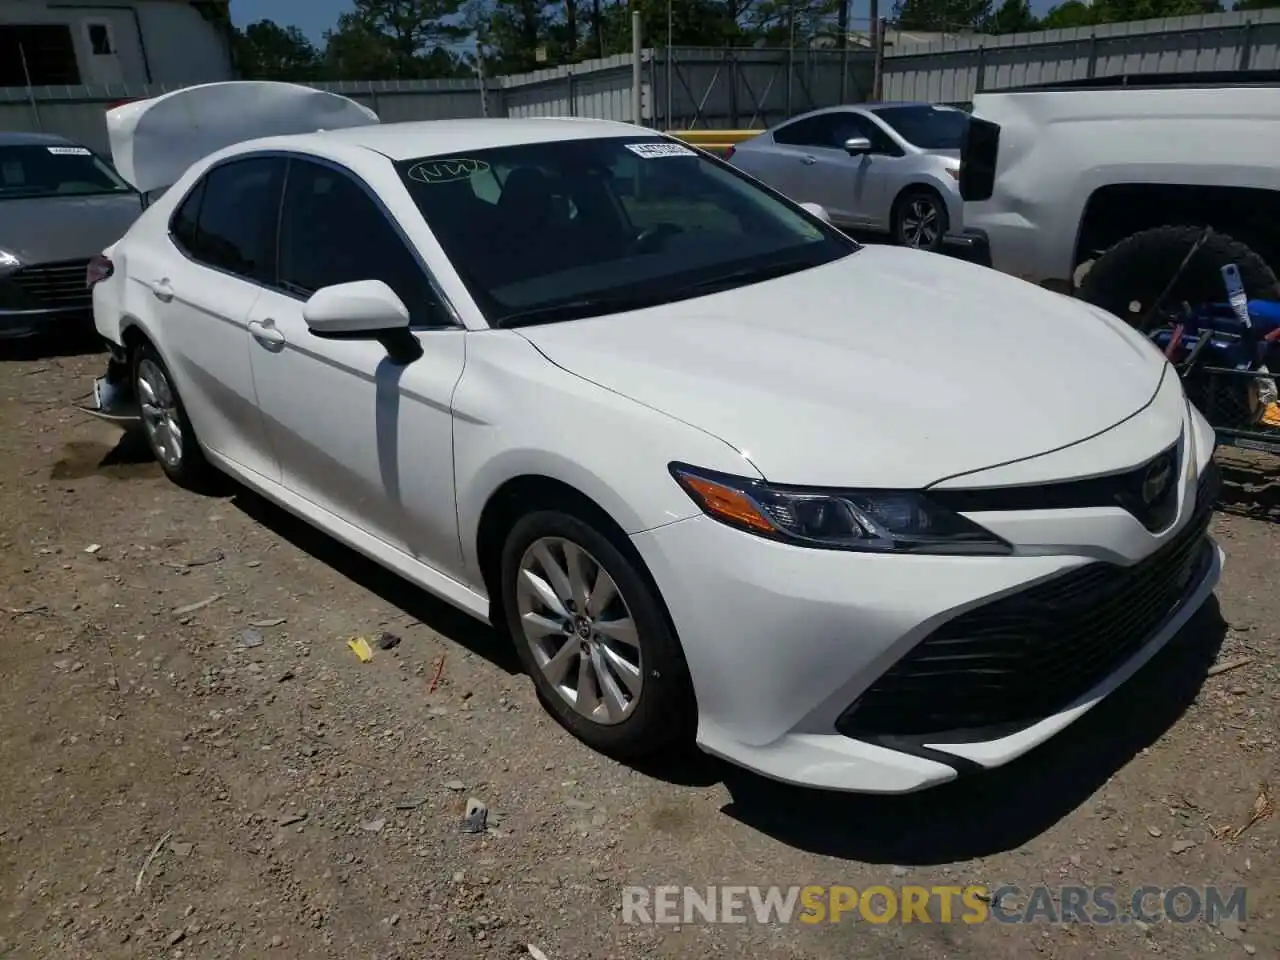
x=920, y=221
x=580, y=630
x=160, y=417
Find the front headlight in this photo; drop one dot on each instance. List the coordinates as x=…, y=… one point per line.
x=880, y=521
x=8, y=262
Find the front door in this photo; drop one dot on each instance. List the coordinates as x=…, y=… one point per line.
x=366, y=440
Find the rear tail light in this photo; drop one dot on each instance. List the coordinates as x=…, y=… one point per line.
x=728, y=153
x=99, y=269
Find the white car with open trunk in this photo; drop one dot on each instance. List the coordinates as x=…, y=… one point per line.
x=854, y=517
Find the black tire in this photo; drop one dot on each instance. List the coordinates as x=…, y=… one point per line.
x=903, y=209
x=1129, y=277
x=664, y=714
x=189, y=468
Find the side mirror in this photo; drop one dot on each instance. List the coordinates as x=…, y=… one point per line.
x=818, y=210
x=855, y=146
x=363, y=310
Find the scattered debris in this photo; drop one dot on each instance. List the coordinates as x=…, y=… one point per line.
x=177, y=937
x=1226, y=665
x=412, y=804
x=388, y=641
x=374, y=826
x=215, y=556
x=155, y=852
x=360, y=647
x=1155, y=831
x=536, y=953
x=16, y=612
x=181, y=850
x=457, y=786
x=435, y=677
x=93, y=548
x=476, y=818
x=293, y=818
x=191, y=608
x=1230, y=929
x=273, y=622
x=250, y=638
x=1181, y=846
x=286, y=675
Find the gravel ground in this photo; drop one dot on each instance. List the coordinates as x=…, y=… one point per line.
x=175, y=680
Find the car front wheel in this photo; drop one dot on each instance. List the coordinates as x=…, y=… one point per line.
x=594, y=637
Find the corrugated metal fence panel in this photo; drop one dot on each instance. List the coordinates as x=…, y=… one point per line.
x=714, y=88
x=954, y=69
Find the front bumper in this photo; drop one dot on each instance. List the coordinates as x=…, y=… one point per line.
x=782, y=641
x=15, y=324
x=970, y=244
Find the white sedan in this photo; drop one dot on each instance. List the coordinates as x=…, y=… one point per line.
x=853, y=517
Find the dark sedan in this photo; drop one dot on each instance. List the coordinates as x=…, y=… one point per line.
x=60, y=205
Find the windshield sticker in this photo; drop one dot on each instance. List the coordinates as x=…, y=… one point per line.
x=69, y=152
x=446, y=171
x=652, y=151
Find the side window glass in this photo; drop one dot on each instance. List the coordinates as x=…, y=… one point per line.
x=184, y=224
x=801, y=133
x=332, y=232
x=238, y=217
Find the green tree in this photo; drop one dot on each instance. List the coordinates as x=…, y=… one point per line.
x=268, y=51
x=1013, y=16
x=941, y=15
x=396, y=39
x=1256, y=4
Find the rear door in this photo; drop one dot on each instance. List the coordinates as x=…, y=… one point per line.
x=220, y=251
x=820, y=170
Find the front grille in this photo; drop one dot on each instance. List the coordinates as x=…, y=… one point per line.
x=1005, y=665
x=55, y=285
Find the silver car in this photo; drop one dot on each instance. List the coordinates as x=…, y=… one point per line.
x=60, y=205
x=883, y=167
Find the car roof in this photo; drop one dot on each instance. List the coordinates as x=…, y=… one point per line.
x=422, y=138
x=23, y=138
x=869, y=107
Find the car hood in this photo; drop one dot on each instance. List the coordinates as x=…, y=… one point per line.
x=888, y=368
x=49, y=229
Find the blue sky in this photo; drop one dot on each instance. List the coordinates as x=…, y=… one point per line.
x=314, y=17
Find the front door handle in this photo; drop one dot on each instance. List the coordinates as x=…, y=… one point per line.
x=162, y=290
x=808, y=160
x=264, y=331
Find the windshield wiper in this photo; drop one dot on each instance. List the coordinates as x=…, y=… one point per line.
x=740, y=278
x=579, y=309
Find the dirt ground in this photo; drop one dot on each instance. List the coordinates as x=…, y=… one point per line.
x=175, y=680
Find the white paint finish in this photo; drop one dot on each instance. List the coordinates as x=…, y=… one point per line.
x=363, y=306
x=888, y=368
x=1058, y=147
x=843, y=374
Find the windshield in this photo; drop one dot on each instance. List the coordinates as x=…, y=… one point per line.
x=926, y=126
x=550, y=231
x=55, y=170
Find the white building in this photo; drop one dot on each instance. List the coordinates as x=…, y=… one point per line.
x=57, y=42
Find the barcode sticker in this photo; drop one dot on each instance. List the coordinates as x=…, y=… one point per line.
x=653, y=151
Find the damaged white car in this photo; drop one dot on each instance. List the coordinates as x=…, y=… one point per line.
x=854, y=517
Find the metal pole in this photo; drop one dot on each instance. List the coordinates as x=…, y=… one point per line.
x=636, y=81
x=791, y=51
x=878, y=73
x=31, y=94
x=844, y=52
x=484, y=85
x=668, y=64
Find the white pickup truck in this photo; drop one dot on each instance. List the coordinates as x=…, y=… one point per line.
x=1102, y=191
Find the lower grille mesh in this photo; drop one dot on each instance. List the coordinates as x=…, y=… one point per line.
x=1007, y=664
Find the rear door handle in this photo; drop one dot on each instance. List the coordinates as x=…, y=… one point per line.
x=264, y=331
x=808, y=160
x=162, y=290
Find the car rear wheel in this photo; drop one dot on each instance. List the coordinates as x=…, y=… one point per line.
x=919, y=219
x=593, y=635
x=165, y=422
